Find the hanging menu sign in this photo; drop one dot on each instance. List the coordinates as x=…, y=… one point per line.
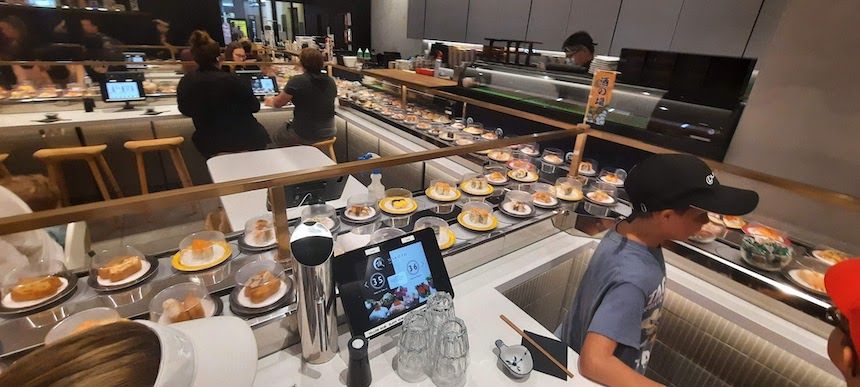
x=600, y=96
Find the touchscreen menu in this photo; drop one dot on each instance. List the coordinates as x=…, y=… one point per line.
x=379, y=284
x=118, y=91
x=264, y=85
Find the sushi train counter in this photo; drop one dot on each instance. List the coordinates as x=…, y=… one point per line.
x=756, y=251
x=236, y=274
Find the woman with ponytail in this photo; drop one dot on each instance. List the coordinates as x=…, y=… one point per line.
x=220, y=104
x=313, y=95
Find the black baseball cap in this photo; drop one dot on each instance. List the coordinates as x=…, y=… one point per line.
x=671, y=181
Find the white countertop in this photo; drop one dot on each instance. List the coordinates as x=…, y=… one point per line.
x=476, y=301
x=79, y=116
x=243, y=206
x=479, y=302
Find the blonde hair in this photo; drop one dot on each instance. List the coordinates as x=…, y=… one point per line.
x=118, y=354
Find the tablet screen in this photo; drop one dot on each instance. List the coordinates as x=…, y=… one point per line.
x=264, y=85
x=379, y=284
x=119, y=91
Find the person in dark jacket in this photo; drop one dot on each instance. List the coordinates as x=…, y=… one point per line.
x=220, y=104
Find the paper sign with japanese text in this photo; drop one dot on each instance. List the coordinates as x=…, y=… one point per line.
x=600, y=96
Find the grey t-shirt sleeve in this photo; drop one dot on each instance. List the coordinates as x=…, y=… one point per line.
x=619, y=316
x=293, y=86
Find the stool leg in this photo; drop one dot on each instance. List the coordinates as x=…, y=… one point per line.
x=97, y=176
x=181, y=169
x=55, y=174
x=141, y=173
x=104, y=165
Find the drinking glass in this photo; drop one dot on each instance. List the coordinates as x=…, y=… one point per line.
x=413, y=356
x=451, y=354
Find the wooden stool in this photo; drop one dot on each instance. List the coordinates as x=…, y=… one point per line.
x=3, y=171
x=168, y=144
x=327, y=147
x=53, y=159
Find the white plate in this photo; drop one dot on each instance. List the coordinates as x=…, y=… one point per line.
x=607, y=202
x=491, y=181
x=509, y=207
x=12, y=304
x=371, y=214
x=795, y=276
x=621, y=184
x=246, y=301
x=144, y=267
x=268, y=242
x=553, y=202
x=208, y=310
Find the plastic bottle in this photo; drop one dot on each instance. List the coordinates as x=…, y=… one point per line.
x=437, y=64
x=376, y=190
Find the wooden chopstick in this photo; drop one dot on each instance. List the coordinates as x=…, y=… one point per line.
x=536, y=345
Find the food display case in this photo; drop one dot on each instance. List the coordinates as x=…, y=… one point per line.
x=655, y=115
x=159, y=81
x=788, y=272
x=208, y=272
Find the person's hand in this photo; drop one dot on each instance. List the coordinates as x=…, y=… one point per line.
x=269, y=101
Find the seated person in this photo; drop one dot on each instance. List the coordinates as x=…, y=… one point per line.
x=220, y=104
x=313, y=94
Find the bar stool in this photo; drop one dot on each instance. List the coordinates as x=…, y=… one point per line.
x=3, y=170
x=168, y=144
x=92, y=155
x=327, y=147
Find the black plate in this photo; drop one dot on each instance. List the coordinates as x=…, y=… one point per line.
x=93, y=282
x=244, y=311
x=61, y=297
x=253, y=249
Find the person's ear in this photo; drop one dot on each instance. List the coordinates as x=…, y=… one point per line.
x=666, y=214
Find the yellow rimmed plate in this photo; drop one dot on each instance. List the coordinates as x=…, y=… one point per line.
x=440, y=199
x=462, y=220
x=452, y=238
x=467, y=190
x=530, y=178
x=178, y=265
x=385, y=206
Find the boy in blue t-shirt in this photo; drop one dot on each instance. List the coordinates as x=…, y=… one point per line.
x=612, y=323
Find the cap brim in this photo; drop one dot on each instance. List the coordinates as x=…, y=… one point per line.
x=841, y=284
x=225, y=351
x=725, y=200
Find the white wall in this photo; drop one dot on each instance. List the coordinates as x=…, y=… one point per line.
x=388, y=28
x=803, y=117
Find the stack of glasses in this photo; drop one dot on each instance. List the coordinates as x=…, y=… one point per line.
x=434, y=343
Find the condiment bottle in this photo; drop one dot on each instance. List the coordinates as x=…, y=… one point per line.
x=358, y=372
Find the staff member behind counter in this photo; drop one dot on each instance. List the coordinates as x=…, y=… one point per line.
x=578, y=51
x=220, y=104
x=313, y=94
